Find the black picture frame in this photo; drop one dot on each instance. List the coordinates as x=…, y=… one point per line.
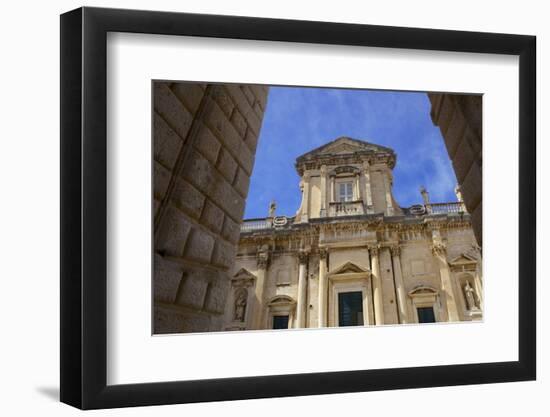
x=84, y=207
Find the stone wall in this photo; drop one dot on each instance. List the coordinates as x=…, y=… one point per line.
x=205, y=138
x=459, y=118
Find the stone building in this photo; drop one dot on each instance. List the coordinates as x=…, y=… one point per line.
x=351, y=255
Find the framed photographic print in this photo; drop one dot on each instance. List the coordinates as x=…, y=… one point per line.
x=257, y=208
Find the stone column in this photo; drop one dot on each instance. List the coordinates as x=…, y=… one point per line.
x=305, y=204
x=301, y=308
x=378, y=301
x=399, y=285
x=332, y=195
x=440, y=252
x=323, y=287
x=323, y=212
x=356, y=191
x=387, y=186
x=368, y=193
x=262, y=262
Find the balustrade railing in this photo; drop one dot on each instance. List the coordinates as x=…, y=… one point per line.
x=255, y=224
x=445, y=208
x=252, y=225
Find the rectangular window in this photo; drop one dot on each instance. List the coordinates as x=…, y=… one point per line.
x=280, y=322
x=426, y=315
x=350, y=308
x=345, y=191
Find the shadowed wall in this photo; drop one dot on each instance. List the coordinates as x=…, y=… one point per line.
x=205, y=138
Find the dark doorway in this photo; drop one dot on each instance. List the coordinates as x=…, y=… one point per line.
x=280, y=322
x=426, y=315
x=350, y=308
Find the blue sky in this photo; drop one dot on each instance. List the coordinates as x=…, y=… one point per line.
x=298, y=120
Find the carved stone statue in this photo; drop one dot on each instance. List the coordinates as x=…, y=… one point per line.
x=458, y=193
x=470, y=296
x=425, y=195
x=272, y=207
x=240, y=305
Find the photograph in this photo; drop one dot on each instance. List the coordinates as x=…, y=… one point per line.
x=301, y=207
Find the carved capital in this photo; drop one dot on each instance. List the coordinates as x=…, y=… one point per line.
x=262, y=260
x=303, y=257
x=323, y=253
x=374, y=250
x=439, y=249
x=395, y=250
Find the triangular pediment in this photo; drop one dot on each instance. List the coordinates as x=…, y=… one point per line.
x=343, y=146
x=463, y=259
x=243, y=274
x=349, y=268
x=422, y=290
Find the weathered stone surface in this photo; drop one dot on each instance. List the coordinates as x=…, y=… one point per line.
x=199, y=225
x=172, y=320
x=221, y=96
x=245, y=104
x=167, y=321
x=231, y=230
x=246, y=158
x=445, y=114
x=227, y=165
x=224, y=195
x=207, y=144
x=167, y=144
x=222, y=128
x=251, y=140
x=192, y=290
x=248, y=94
x=199, y=172
x=224, y=254
x=455, y=133
x=172, y=109
x=188, y=198
x=463, y=160
x=239, y=122
x=477, y=217
x=166, y=282
x=216, y=295
x=190, y=94
x=200, y=246
x=242, y=181
x=470, y=187
x=173, y=232
x=161, y=178
x=462, y=137
x=212, y=217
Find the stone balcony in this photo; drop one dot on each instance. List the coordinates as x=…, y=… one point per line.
x=351, y=208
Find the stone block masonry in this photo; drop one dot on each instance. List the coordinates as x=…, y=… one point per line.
x=205, y=137
x=459, y=118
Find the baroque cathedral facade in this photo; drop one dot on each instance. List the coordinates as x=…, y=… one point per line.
x=351, y=256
